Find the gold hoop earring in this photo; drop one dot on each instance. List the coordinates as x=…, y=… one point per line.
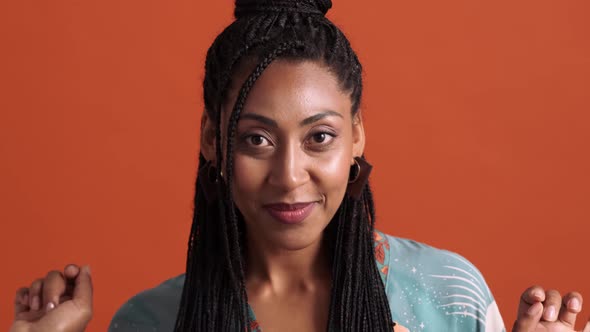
x=359, y=178
x=207, y=179
x=355, y=171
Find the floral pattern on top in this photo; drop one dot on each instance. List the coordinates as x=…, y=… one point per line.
x=382, y=255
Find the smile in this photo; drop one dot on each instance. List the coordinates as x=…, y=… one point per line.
x=290, y=213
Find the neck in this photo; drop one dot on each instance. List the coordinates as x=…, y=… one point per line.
x=278, y=270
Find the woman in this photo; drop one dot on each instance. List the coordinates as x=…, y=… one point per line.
x=283, y=232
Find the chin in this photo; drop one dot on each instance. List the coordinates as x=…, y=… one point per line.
x=291, y=237
x=289, y=240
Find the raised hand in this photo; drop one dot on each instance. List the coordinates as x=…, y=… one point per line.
x=60, y=302
x=547, y=311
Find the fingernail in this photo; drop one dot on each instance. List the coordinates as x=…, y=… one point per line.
x=35, y=303
x=550, y=313
x=574, y=304
x=534, y=309
x=49, y=306
x=87, y=268
x=538, y=294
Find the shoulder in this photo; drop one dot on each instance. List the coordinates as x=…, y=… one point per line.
x=426, y=285
x=154, y=309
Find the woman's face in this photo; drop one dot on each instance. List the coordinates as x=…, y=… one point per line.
x=295, y=143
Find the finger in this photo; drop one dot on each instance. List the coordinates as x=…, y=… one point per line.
x=71, y=271
x=83, y=288
x=587, y=327
x=529, y=320
x=22, y=296
x=21, y=303
x=570, y=308
x=551, y=305
x=20, y=309
x=35, y=294
x=530, y=309
x=64, y=298
x=29, y=316
x=529, y=297
x=53, y=287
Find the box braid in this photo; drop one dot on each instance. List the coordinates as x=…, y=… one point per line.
x=214, y=296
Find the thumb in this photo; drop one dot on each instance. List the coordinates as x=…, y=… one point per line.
x=528, y=320
x=530, y=309
x=83, y=288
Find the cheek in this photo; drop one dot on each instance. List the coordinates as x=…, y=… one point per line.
x=332, y=175
x=248, y=178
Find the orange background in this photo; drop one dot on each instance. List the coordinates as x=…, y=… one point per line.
x=477, y=114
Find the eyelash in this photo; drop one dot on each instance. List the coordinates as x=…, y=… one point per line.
x=330, y=136
x=248, y=139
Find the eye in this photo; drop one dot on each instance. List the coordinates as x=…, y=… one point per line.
x=321, y=138
x=257, y=140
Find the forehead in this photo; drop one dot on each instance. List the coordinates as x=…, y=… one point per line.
x=290, y=89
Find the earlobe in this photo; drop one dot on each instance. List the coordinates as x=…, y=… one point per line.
x=207, y=137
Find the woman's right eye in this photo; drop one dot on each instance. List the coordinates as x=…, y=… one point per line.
x=257, y=140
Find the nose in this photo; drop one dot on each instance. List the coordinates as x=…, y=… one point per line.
x=289, y=169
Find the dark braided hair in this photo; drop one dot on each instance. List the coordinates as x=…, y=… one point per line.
x=214, y=295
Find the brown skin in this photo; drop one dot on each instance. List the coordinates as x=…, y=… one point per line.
x=287, y=277
x=62, y=301
x=546, y=311
x=304, y=156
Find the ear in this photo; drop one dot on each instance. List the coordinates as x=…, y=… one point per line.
x=358, y=135
x=208, y=129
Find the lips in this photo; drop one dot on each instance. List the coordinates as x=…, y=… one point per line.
x=290, y=213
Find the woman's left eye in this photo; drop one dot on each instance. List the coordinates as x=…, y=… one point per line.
x=322, y=138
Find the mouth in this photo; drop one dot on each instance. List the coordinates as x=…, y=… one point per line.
x=290, y=213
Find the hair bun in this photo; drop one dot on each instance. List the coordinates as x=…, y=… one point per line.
x=257, y=7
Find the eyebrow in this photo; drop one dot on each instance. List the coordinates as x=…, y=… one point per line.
x=318, y=117
x=305, y=122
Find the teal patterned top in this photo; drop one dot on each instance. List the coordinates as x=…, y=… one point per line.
x=428, y=289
